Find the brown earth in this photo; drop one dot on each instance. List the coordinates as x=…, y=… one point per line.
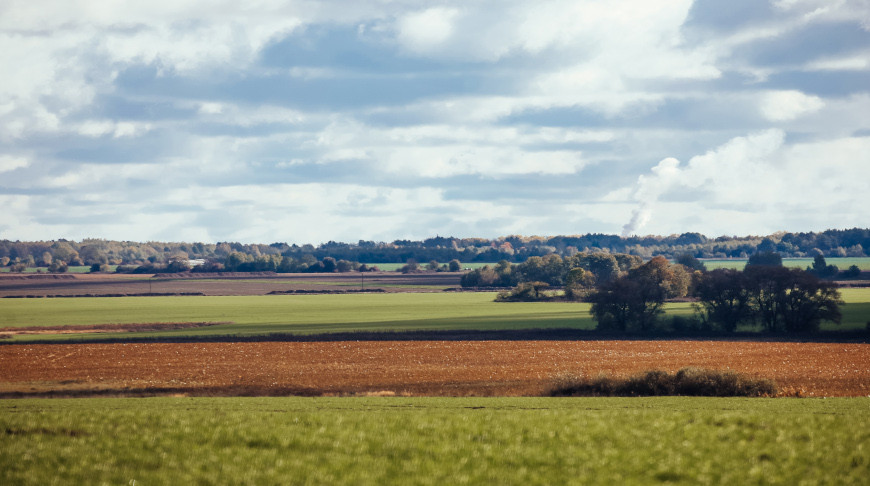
x=226, y=284
x=449, y=368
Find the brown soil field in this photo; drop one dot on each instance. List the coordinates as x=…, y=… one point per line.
x=209, y=284
x=438, y=368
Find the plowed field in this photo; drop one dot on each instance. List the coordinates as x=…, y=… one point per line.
x=461, y=368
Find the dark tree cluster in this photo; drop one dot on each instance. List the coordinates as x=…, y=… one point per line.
x=764, y=295
x=775, y=298
x=633, y=302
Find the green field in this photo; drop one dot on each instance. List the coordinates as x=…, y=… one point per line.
x=299, y=313
x=842, y=263
x=253, y=315
x=439, y=441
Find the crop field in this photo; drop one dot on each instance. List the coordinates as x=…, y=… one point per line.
x=506, y=441
x=842, y=263
x=348, y=411
x=251, y=315
x=257, y=315
x=443, y=368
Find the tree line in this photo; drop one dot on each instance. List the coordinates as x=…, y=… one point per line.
x=515, y=249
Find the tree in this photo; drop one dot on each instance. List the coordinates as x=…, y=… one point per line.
x=411, y=266
x=433, y=265
x=821, y=269
x=481, y=277
x=578, y=283
x=550, y=268
x=852, y=272
x=765, y=258
x=808, y=301
x=724, y=299
x=454, y=265
x=58, y=266
x=633, y=302
x=344, y=266
x=627, y=304
x=329, y=265
x=604, y=266
x=791, y=300
x=92, y=254
x=525, y=292
x=99, y=267
x=689, y=261
x=178, y=264
x=235, y=260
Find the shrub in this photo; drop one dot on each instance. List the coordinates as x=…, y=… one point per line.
x=526, y=292
x=852, y=272
x=685, y=382
x=684, y=324
x=58, y=266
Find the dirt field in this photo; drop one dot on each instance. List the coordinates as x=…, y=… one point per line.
x=481, y=368
x=207, y=284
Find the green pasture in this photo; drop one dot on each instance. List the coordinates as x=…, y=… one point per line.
x=298, y=313
x=255, y=315
x=523, y=441
x=842, y=263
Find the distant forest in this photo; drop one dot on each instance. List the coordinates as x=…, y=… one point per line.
x=831, y=243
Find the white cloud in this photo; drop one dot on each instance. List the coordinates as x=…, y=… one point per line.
x=850, y=63
x=9, y=163
x=99, y=128
x=555, y=90
x=788, y=105
x=425, y=31
x=752, y=184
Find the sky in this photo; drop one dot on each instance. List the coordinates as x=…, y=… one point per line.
x=310, y=121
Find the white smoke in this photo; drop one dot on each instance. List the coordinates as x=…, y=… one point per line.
x=727, y=173
x=649, y=188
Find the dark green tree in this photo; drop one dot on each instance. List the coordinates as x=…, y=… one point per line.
x=723, y=299
x=765, y=258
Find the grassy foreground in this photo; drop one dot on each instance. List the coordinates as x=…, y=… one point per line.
x=252, y=315
x=435, y=441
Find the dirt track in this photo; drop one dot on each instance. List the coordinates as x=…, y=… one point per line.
x=410, y=367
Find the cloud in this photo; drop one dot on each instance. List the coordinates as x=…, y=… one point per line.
x=310, y=121
x=788, y=105
x=753, y=183
x=9, y=163
x=425, y=31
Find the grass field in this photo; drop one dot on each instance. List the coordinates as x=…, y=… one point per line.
x=331, y=313
x=842, y=263
x=435, y=441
